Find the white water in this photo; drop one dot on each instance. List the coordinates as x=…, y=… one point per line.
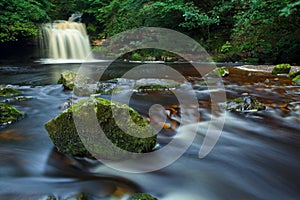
x=64, y=40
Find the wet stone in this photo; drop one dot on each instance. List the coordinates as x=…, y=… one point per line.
x=63, y=131
x=8, y=91
x=9, y=114
x=246, y=103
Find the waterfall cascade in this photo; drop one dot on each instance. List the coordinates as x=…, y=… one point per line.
x=63, y=40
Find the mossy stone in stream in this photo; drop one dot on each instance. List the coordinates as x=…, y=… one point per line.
x=141, y=196
x=9, y=114
x=84, y=86
x=223, y=71
x=246, y=103
x=64, y=135
x=7, y=91
x=151, y=84
x=281, y=69
x=220, y=71
x=67, y=79
x=294, y=74
x=296, y=80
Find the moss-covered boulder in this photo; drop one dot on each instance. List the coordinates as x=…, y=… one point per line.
x=246, y=103
x=64, y=134
x=141, y=196
x=281, y=69
x=9, y=114
x=67, y=79
x=152, y=84
x=296, y=80
x=294, y=74
x=8, y=91
x=83, y=86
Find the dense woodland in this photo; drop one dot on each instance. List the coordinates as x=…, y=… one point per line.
x=265, y=31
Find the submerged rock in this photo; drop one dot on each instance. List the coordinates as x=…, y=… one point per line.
x=281, y=69
x=141, y=196
x=8, y=91
x=246, y=103
x=64, y=135
x=9, y=114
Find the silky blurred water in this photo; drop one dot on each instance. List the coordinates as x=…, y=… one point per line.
x=256, y=156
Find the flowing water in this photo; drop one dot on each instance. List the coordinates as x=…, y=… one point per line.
x=256, y=156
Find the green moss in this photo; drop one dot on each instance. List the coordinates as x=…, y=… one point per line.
x=9, y=114
x=226, y=47
x=63, y=132
x=67, y=78
x=7, y=91
x=296, y=80
x=238, y=100
x=281, y=69
x=142, y=196
x=294, y=74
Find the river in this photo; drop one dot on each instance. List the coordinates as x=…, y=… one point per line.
x=257, y=156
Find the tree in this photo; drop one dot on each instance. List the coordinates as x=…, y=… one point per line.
x=264, y=29
x=19, y=18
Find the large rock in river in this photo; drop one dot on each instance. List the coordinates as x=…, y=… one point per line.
x=63, y=132
x=67, y=78
x=9, y=114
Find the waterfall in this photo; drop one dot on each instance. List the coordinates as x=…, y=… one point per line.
x=64, y=40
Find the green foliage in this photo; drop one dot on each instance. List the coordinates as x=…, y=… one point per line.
x=261, y=30
x=291, y=7
x=226, y=47
x=136, y=56
x=242, y=29
x=19, y=18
